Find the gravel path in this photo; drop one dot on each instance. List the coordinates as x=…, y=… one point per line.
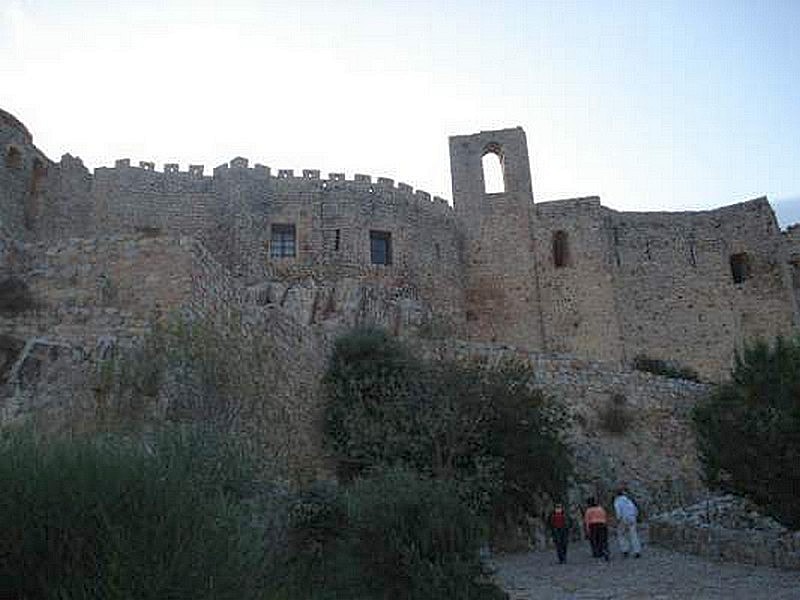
x=658, y=575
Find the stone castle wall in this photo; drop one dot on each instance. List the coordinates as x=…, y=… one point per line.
x=573, y=276
x=91, y=296
x=655, y=455
x=676, y=294
x=623, y=284
x=578, y=304
x=728, y=529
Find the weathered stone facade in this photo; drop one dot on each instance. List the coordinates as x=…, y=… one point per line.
x=569, y=276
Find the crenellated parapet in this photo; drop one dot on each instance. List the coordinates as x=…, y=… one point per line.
x=283, y=180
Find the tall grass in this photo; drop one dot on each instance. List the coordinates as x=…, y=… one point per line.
x=112, y=517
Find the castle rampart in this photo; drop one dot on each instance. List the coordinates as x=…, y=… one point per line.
x=568, y=276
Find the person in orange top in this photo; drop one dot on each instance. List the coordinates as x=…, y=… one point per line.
x=595, y=522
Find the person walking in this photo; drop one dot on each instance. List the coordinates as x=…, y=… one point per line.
x=595, y=522
x=626, y=513
x=559, y=529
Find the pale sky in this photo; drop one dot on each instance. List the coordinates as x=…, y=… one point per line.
x=650, y=105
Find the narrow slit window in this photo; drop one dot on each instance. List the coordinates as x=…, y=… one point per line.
x=560, y=249
x=337, y=240
x=282, y=241
x=740, y=267
x=380, y=247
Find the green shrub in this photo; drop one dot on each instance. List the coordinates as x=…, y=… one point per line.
x=109, y=517
x=15, y=296
x=749, y=430
x=189, y=370
x=615, y=417
x=664, y=368
x=488, y=429
x=393, y=535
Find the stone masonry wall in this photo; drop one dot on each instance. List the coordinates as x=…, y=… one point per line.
x=675, y=292
x=658, y=284
x=730, y=529
x=92, y=295
x=655, y=455
x=501, y=281
x=578, y=303
x=233, y=212
x=85, y=288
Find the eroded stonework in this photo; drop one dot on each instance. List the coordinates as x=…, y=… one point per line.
x=565, y=277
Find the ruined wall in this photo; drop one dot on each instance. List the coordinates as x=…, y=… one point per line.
x=82, y=289
x=655, y=454
x=728, y=529
x=623, y=284
x=90, y=296
x=128, y=199
x=577, y=282
x=675, y=289
x=501, y=281
x=22, y=168
x=233, y=211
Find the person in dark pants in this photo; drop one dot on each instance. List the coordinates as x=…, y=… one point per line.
x=595, y=521
x=559, y=529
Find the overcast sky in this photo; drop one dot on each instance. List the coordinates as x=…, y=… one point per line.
x=650, y=105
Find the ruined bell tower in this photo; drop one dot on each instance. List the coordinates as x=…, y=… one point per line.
x=502, y=291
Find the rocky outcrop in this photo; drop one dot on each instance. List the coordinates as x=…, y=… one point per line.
x=728, y=528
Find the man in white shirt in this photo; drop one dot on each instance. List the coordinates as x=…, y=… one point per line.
x=627, y=513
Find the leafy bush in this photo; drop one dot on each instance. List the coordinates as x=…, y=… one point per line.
x=615, y=417
x=192, y=370
x=487, y=429
x=749, y=430
x=664, y=368
x=393, y=535
x=15, y=296
x=108, y=517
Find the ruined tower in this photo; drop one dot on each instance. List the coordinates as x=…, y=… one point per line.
x=501, y=287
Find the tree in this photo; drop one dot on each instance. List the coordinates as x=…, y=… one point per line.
x=489, y=430
x=749, y=429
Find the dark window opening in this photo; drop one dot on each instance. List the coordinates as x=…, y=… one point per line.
x=493, y=175
x=740, y=267
x=380, y=247
x=282, y=242
x=39, y=172
x=692, y=253
x=437, y=250
x=13, y=158
x=337, y=240
x=560, y=249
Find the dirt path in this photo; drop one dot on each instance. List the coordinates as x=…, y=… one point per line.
x=658, y=575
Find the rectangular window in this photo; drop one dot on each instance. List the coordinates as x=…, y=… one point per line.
x=740, y=267
x=282, y=241
x=380, y=247
x=337, y=240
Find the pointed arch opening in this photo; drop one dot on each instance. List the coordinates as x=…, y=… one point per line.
x=493, y=175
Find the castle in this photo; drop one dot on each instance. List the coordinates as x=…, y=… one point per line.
x=566, y=277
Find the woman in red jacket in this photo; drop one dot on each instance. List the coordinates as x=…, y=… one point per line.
x=559, y=529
